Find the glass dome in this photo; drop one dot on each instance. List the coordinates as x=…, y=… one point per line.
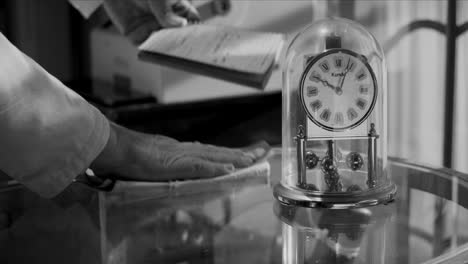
x=334, y=118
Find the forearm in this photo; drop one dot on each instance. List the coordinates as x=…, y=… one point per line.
x=49, y=134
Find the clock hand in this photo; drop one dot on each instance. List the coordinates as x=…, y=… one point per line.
x=347, y=69
x=338, y=90
x=326, y=83
x=334, y=88
x=341, y=81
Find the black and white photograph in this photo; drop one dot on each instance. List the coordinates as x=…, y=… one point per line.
x=233, y=131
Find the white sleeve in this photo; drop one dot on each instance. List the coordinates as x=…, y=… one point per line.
x=48, y=133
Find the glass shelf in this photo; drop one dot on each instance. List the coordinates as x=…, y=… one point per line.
x=239, y=222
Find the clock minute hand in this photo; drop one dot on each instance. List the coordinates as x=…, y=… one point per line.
x=347, y=69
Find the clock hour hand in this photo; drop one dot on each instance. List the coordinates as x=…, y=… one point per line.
x=326, y=83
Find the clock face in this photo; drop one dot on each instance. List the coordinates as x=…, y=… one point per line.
x=338, y=89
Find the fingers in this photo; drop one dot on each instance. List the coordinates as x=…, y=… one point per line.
x=239, y=158
x=257, y=150
x=173, y=13
x=159, y=158
x=160, y=139
x=222, y=6
x=214, y=161
x=143, y=31
x=136, y=18
x=132, y=19
x=185, y=9
x=219, y=154
x=194, y=168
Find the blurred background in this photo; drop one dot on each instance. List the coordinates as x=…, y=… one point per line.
x=91, y=57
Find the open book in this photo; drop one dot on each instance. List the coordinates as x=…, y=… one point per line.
x=231, y=54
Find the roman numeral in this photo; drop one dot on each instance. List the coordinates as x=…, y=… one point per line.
x=339, y=118
x=315, y=76
x=316, y=105
x=325, y=115
x=361, y=75
x=361, y=103
x=338, y=62
x=312, y=91
x=324, y=66
x=363, y=89
x=352, y=114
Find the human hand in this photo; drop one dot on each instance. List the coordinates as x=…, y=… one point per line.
x=137, y=19
x=130, y=155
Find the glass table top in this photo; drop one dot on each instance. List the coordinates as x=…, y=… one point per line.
x=237, y=221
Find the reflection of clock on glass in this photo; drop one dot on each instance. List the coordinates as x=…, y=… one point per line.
x=334, y=118
x=338, y=89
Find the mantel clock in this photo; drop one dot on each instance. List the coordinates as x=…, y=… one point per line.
x=334, y=118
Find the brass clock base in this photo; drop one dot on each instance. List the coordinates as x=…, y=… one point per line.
x=296, y=197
